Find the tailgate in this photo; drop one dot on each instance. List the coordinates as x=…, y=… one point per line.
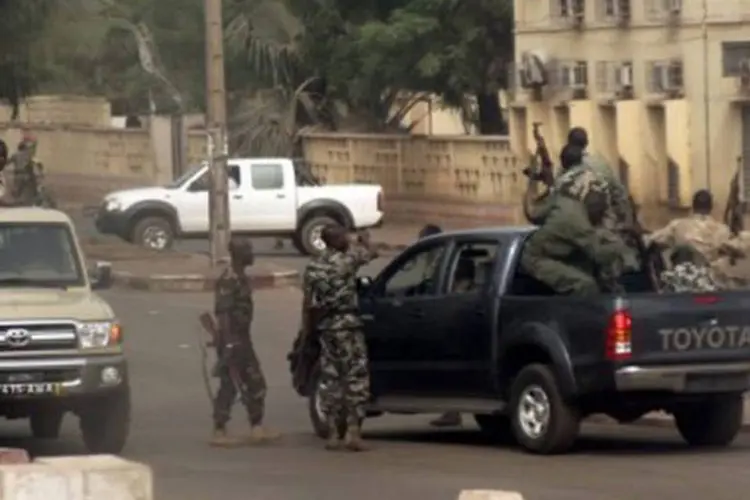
x=690, y=328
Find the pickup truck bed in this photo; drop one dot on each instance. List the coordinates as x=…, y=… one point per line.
x=531, y=365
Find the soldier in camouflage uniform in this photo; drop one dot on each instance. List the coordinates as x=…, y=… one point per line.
x=711, y=238
x=620, y=217
x=238, y=369
x=572, y=252
x=330, y=283
x=689, y=272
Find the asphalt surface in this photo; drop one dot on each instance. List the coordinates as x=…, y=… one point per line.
x=171, y=426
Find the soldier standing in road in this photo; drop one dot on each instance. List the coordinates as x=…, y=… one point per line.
x=711, y=238
x=330, y=284
x=239, y=365
x=3, y=163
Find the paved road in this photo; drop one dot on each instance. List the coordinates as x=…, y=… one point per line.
x=172, y=424
x=264, y=248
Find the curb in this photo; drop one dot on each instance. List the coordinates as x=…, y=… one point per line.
x=196, y=282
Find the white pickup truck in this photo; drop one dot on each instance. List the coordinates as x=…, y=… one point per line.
x=266, y=198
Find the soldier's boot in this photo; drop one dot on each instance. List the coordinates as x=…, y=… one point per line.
x=260, y=434
x=448, y=419
x=220, y=439
x=333, y=443
x=353, y=440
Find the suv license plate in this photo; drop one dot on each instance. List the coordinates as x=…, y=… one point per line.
x=28, y=389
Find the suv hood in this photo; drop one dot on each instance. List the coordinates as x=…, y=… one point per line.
x=43, y=303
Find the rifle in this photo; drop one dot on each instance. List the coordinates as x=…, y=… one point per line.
x=303, y=358
x=651, y=256
x=734, y=212
x=543, y=174
x=224, y=350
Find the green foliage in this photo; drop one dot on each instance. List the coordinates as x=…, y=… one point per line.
x=289, y=63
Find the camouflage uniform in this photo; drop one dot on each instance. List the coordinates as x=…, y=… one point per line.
x=330, y=281
x=620, y=218
x=709, y=237
x=234, y=298
x=568, y=254
x=688, y=277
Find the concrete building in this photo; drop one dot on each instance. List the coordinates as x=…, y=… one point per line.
x=663, y=86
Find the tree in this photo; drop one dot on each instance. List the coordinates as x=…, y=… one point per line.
x=455, y=49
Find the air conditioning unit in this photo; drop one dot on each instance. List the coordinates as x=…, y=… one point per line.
x=624, y=78
x=533, y=69
x=669, y=78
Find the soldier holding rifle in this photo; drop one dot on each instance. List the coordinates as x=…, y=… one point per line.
x=238, y=368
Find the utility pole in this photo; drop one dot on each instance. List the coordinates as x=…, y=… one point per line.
x=216, y=123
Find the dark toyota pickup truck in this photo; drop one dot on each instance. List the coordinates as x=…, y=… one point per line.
x=453, y=325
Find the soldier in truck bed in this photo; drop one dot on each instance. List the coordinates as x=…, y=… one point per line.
x=689, y=272
x=572, y=252
x=711, y=238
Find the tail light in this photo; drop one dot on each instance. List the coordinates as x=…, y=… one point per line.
x=706, y=300
x=619, y=335
x=380, y=201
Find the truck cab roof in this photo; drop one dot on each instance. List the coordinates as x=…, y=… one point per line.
x=33, y=214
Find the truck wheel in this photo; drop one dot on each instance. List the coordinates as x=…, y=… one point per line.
x=309, y=234
x=714, y=422
x=105, y=422
x=496, y=427
x=317, y=417
x=153, y=232
x=46, y=424
x=543, y=422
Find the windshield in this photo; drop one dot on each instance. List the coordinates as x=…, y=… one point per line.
x=189, y=173
x=39, y=255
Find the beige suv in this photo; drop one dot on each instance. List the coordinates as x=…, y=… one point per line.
x=60, y=344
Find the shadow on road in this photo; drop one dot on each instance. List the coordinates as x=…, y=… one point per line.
x=616, y=442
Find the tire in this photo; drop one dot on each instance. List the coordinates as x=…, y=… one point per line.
x=309, y=234
x=560, y=431
x=46, y=424
x=105, y=422
x=317, y=417
x=714, y=422
x=496, y=427
x=155, y=233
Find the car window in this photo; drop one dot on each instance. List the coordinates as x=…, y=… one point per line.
x=417, y=275
x=267, y=176
x=203, y=183
x=471, y=266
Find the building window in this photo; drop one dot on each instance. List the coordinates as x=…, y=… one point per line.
x=732, y=54
x=613, y=10
x=567, y=8
x=574, y=74
x=664, y=77
x=660, y=10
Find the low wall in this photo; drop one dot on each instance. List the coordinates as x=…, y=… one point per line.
x=90, y=477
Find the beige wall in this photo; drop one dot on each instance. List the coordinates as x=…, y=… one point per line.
x=72, y=110
x=426, y=178
x=698, y=133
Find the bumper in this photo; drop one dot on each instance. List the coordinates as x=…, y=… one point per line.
x=724, y=377
x=23, y=379
x=378, y=223
x=111, y=223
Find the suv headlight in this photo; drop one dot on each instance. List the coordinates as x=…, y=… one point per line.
x=93, y=334
x=112, y=205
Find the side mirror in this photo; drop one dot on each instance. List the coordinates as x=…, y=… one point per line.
x=363, y=283
x=101, y=276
